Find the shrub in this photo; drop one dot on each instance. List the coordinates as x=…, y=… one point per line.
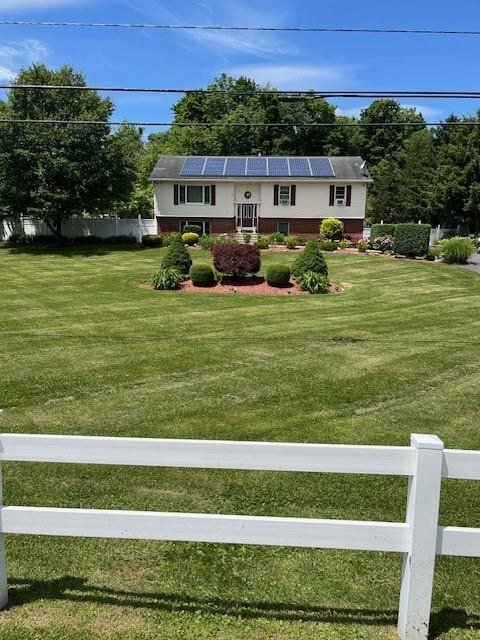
x=411, y=239
x=278, y=275
x=262, y=243
x=207, y=242
x=17, y=238
x=177, y=256
x=331, y=229
x=328, y=245
x=167, y=279
x=202, y=275
x=44, y=240
x=152, y=240
x=313, y=282
x=457, y=250
x=382, y=230
x=382, y=243
x=193, y=228
x=120, y=240
x=292, y=242
x=82, y=241
x=276, y=238
x=168, y=238
x=224, y=239
x=311, y=259
x=344, y=244
x=236, y=259
x=362, y=246
x=190, y=238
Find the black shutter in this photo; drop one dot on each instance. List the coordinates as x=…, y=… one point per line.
x=349, y=195
x=213, y=195
x=293, y=195
x=332, y=195
x=276, y=190
x=175, y=194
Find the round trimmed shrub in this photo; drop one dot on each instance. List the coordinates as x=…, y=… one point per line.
x=152, y=240
x=236, y=259
x=331, y=229
x=276, y=238
x=202, y=275
x=311, y=259
x=328, y=245
x=292, y=242
x=190, y=238
x=278, y=275
x=167, y=279
x=177, y=256
x=313, y=282
x=457, y=250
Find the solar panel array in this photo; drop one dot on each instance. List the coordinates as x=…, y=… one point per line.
x=257, y=167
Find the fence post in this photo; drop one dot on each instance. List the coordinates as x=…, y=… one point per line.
x=3, y=559
x=422, y=517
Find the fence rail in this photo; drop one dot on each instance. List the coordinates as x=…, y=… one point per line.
x=419, y=538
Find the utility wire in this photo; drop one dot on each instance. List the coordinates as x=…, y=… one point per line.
x=198, y=27
x=272, y=92
x=447, y=123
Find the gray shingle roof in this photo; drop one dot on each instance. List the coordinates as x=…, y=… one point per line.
x=345, y=168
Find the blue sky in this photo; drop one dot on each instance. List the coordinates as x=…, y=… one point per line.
x=288, y=61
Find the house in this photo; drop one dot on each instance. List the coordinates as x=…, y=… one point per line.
x=260, y=194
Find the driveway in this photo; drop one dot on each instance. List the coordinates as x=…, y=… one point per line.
x=473, y=263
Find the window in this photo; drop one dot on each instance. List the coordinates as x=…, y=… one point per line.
x=194, y=194
x=340, y=194
x=284, y=194
x=284, y=227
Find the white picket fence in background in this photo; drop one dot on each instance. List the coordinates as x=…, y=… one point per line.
x=72, y=227
x=419, y=537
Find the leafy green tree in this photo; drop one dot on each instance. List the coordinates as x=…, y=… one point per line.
x=385, y=197
x=51, y=172
x=417, y=162
x=381, y=143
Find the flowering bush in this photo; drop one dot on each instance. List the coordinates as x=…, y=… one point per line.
x=382, y=243
x=362, y=246
x=236, y=259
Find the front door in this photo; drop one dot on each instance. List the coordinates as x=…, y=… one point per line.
x=247, y=217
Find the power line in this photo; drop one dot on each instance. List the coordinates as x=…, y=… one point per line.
x=447, y=123
x=272, y=92
x=197, y=27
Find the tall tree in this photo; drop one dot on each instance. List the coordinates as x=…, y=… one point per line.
x=51, y=172
x=379, y=143
x=417, y=162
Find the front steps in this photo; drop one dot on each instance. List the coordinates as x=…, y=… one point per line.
x=241, y=235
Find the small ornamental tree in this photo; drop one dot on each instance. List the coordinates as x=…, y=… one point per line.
x=236, y=259
x=310, y=260
x=177, y=256
x=331, y=229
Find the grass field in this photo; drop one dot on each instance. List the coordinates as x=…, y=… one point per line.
x=85, y=350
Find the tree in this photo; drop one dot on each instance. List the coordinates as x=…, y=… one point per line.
x=51, y=172
x=385, y=198
x=381, y=143
x=417, y=162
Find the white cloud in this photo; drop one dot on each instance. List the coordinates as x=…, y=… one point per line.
x=427, y=111
x=296, y=76
x=14, y=55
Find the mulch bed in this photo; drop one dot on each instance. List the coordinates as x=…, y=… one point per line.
x=254, y=285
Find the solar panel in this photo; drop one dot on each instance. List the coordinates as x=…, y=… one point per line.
x=278, y=167
x=299, y=167
x=192, y=166
x=214, y=167
x=257, y=167
x=235, y=166
x=321, y=168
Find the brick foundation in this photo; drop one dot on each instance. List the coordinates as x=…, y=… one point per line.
x=298, y=226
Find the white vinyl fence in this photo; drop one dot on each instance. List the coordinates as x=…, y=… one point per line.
x=73, y=227
x=419, y=538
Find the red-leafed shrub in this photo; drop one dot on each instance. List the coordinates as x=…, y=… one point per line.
x=236, y=259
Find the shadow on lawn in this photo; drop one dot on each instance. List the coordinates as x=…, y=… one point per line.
x=68, y=251
x=23, y=592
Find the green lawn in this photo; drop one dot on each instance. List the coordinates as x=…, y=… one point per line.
x=85, y=350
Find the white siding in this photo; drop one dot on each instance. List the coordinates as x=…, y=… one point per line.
x=225, y=193
x=312, y=201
